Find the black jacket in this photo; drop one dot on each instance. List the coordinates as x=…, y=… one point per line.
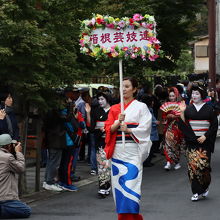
x=55, y=130
x=5, y=127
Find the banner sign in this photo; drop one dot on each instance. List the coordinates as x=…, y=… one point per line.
x=105, y=36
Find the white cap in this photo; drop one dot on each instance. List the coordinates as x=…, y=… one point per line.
x=6, y=139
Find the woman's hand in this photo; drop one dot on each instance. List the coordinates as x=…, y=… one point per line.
x=2, y=114
x=102, y=129
x=76, y=115
x=117, y=123
x=88, y=116
x=124, y=128
x=87, y=108
x=18, y=147
x=171, y=116
x=121, y=117
x=164, y=121
x=182, y=106
x=201, y=139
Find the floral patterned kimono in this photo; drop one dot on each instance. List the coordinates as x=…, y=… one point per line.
x=173, y=140
x=127, y=161
x=198, y=123
x=99, y=116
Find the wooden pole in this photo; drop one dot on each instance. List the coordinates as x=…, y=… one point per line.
x=121, y=96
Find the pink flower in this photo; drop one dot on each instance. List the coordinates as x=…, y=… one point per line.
x=121, y=24
x=153, y=58
x=93, y=21
x=110, y=26
x=150, y=26
x=133, y=56
x=82, y=43
x=137, y=17
x=143, y=57
x=112, y=49
x=144, y=24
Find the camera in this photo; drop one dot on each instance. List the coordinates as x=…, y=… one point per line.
x=12, y=150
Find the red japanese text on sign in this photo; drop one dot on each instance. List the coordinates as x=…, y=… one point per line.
x=118, y=37
x=123, y=38
x=94, y=38
x=131, y=36
x=143, y=35
x=105, y=38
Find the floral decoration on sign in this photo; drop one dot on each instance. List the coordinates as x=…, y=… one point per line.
x=105, y=36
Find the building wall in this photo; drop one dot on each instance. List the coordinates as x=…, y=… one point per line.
x=201, y=63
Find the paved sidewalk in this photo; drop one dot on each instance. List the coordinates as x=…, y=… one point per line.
x=82, y=170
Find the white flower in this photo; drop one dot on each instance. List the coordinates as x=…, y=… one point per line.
x=151, y=18
x=86, y=22
x=86, y=39
x=151, y=52
x=85, y=50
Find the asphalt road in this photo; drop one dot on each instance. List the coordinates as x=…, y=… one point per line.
x=165, y=196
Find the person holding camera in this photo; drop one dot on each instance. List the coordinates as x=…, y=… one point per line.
x=12, y=163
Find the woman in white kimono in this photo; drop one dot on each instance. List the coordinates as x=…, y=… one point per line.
x=127, y=161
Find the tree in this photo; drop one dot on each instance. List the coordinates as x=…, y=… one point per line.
x=176, y=20
x=39, y=46
x=39, y=50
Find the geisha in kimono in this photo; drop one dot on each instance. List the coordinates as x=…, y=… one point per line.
x=199, y=125
x=127, y=161
x=96, y=121
x=173, y=138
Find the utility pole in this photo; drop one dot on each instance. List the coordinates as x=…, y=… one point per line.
x=218, y=38
x=212, y=42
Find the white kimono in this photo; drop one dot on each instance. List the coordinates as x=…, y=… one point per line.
x=127, y=161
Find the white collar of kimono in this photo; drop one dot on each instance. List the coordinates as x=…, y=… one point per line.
x=106, y=109
x=198, y=106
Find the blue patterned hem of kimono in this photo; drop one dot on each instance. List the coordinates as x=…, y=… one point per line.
x=127, y=161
